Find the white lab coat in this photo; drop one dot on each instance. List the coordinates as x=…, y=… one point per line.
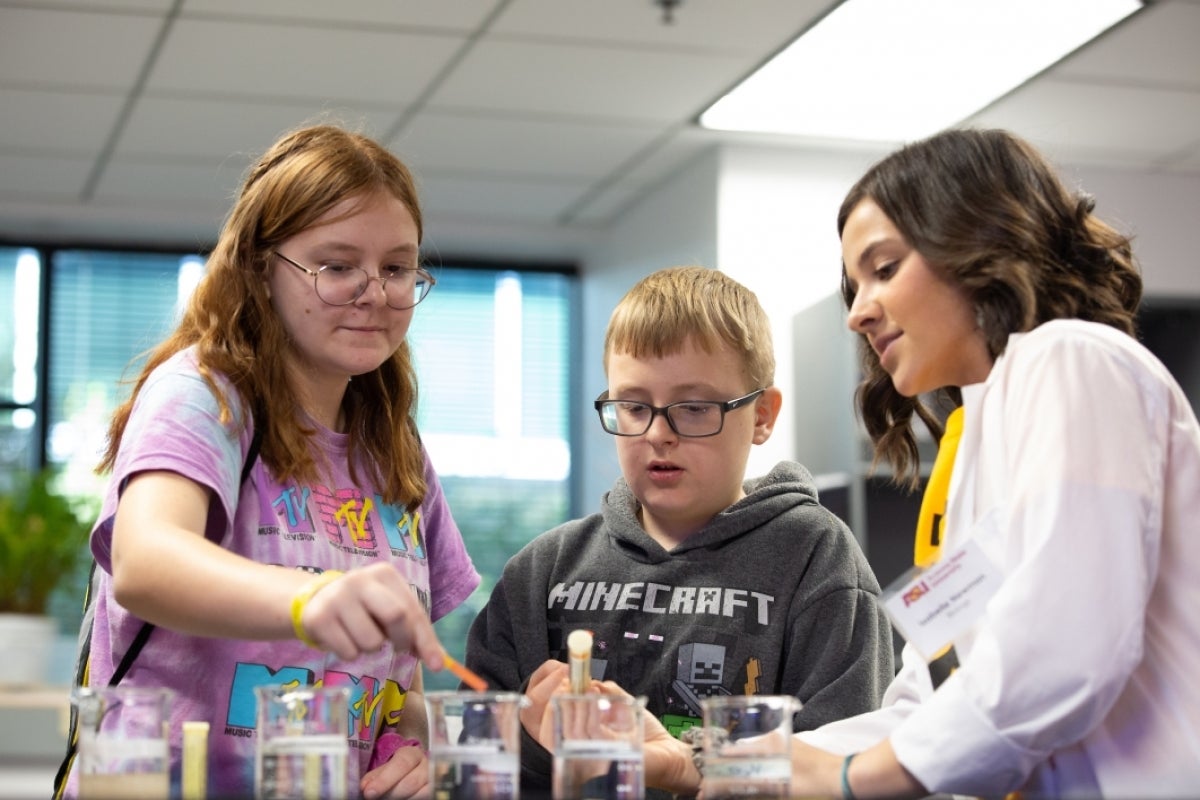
x=1078, y=474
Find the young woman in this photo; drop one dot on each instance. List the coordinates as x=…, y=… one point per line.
x=339, y=544
x=973, y=274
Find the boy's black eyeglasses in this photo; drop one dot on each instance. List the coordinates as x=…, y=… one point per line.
x=341, y=285
x=691, y=418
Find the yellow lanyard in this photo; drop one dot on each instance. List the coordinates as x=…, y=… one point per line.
x=930, y=525
x=932, y=519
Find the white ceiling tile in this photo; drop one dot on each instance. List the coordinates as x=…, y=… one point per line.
x=609, y=203
x=287, y=61
x=35, y=177
x=655, y=165
x=171, y=185
x=585, y=81
x=518, y=147
x=52, y=48
x=1158, y=44
x=448, y=240
x=1189, y=163
x=754, y=27
x=139, y=224
x=462, y=15
x=668, y=158
x=108, y=6
x=57, y=121
x=1099, y=121
x=218, y=129
x=509, y=200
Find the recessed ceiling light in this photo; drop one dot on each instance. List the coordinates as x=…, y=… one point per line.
x=898, y=70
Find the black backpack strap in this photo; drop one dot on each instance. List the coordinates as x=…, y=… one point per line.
x=135, y=647
x=252, y=450
x=82, y=664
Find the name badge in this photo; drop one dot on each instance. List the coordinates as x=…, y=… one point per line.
x=932, y=607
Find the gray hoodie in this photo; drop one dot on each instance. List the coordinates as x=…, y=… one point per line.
x=773, y=596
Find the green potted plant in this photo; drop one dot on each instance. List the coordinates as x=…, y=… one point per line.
x=43, y=549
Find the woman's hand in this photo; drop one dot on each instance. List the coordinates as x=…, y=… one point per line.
x=815, y=772
x=667, y=761
x=876, y=773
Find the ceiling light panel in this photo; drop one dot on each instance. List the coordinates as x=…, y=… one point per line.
x=898, y=70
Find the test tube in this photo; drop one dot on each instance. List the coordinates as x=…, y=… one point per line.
x=579, y=650
x=194, y=782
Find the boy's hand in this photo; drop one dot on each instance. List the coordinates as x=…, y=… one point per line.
x=668, y=761
x=552, y=677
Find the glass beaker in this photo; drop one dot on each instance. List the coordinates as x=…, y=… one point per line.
x=122, y=747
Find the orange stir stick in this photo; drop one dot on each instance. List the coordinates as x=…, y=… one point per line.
x=465, y=675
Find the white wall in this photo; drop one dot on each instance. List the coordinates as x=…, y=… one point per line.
x=1162, y=212
x=674, y=224
x=777, y=223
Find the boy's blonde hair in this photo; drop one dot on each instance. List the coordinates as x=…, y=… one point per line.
x=665, y=308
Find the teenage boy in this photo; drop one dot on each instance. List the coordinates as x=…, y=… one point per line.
x=694, y=581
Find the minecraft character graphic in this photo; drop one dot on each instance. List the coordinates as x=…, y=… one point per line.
x=700, y=673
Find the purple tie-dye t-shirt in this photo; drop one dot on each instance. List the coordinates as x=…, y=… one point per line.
x=333, y=524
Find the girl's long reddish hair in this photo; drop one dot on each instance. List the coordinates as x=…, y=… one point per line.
x=235, y=331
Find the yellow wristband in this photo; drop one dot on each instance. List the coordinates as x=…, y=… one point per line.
x=301, y=598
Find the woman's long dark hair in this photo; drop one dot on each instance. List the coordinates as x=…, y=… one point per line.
x=989, y=213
